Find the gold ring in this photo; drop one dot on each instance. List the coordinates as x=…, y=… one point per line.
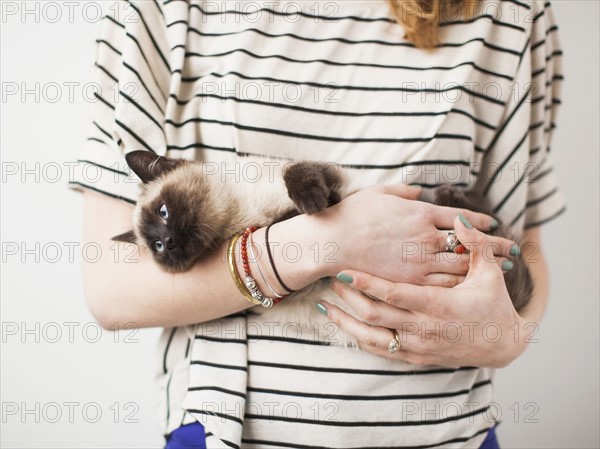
x=394, y=344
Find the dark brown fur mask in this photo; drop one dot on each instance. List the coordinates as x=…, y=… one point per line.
x=173, y=217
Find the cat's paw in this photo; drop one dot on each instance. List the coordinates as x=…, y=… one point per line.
x=312, y=186
x=453, y=196
x=448, y=195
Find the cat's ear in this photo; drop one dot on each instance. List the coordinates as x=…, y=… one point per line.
x=126, y=237
x=149, y=166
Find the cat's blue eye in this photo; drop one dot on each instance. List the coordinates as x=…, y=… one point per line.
x=163, y=212
x=158, y=245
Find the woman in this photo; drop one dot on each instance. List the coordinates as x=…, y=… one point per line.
x=352, y=83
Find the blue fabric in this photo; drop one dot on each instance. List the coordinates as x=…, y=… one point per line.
x=490, y=442
x=190, y=436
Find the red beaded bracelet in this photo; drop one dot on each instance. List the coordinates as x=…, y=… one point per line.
x=249, y=280
x=243, y=246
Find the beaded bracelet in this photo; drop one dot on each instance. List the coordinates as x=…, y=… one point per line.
x=250, y=282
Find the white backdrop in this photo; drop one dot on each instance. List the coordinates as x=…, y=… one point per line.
x=65, y=383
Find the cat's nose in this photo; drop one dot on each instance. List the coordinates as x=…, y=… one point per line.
x=169, y=243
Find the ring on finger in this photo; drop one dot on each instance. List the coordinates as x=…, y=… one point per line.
x=394, y=344
x=454, y=245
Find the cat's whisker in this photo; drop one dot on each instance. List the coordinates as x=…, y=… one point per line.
x=210, y=228
x=204, y=237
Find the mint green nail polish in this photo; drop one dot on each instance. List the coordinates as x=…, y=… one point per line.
x=507, y=265
x=493, y=224
x=464, y=221
x=345, y=278
x=515, y=250
x=321, y=309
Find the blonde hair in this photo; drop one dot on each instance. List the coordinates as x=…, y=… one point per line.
x=421, y=18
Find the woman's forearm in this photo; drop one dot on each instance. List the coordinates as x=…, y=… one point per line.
x=124, y=285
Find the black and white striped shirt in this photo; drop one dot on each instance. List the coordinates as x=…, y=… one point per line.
x=329, y=81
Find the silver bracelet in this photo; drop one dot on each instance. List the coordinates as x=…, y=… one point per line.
x=254, y=294
x=249, y=246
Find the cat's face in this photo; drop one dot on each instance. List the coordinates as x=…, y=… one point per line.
x=171, y=229
x=172, y=216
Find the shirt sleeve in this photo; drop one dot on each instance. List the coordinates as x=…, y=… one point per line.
x=517, y=174
x=131, y=85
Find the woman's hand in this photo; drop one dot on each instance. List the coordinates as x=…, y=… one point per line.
x=472, y=324
x=384, y=231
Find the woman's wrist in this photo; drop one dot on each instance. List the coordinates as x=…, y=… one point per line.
x=301, y=252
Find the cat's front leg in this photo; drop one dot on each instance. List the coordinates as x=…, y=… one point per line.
x=313, y=186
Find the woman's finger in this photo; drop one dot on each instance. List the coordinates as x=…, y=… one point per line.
x=443, y=280
x=368, y=336
x=447, y=262
x=449, y=269
x=497, y=246
x=450, y=277
x=371, y=310
x=402, y=190
x=376, y=340
x=443, y=218
x=505, y=264
x=482, y=257
x=500, y=247
x=411, y=297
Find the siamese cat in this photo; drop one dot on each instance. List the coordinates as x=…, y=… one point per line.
x=187, y=210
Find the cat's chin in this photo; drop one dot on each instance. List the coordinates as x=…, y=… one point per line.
x=176, y=268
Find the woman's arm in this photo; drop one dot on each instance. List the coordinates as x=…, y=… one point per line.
x=125, y=285
x=121, y=289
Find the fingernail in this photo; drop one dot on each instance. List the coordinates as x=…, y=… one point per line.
x=321, y=308
x=464, y=221
x=345, y=278
x=493, y=224
x=515, y=250
x=507, y=265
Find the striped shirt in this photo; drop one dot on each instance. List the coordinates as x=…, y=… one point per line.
x=327, y=81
